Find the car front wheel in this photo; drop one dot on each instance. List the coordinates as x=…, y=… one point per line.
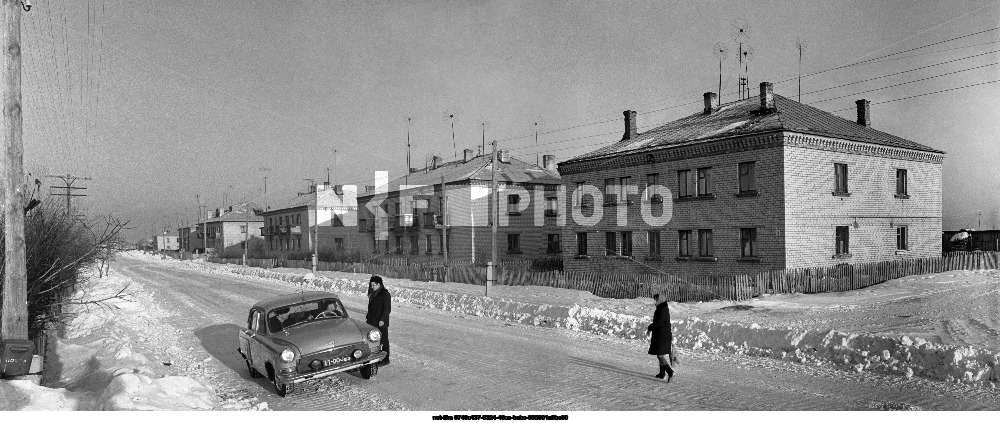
x=369, y=371
x=283, y=389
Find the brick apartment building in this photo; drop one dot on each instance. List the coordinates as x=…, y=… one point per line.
x=757, y=184
x=409, y=220
x=225, y=231
x=291, y=227
x=167, y=242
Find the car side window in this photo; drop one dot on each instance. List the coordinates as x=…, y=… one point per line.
x=257, y=321
x=252, y=320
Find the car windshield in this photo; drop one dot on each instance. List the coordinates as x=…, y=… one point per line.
x=282, y=318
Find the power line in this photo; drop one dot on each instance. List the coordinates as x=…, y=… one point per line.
x=906, y=83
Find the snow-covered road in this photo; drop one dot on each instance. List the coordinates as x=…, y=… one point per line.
x=444, y=360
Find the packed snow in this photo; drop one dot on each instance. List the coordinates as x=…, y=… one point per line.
x=96, y=362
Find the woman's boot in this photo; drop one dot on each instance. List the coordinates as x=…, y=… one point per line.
x=662, y=373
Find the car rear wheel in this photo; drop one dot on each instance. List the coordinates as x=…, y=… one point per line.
x=369, y=371
x=253, y=372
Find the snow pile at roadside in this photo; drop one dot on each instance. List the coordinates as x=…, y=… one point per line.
x=858, y=352
x=93, y=363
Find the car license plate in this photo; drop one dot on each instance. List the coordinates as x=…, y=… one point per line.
x=337, y=360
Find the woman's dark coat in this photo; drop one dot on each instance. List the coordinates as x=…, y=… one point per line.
x=659, y=344
x=379, y=307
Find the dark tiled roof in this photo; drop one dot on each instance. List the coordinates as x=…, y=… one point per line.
x=477, y=169
x=738, y=119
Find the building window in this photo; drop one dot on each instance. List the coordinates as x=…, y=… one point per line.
x=339, y=243
x=627, y=243
x=843, y=240
x=513, y=243
x=399, y=244
x=610, y=191
x=243, y=229
x=748, y=242
x=705, y=181
x=396, y=208
x=683, y=183
x=901, y=182
x=652, y=179
x=512, y=202
x=653, y=237
x=414, y=244
x=623, y=184
x=551, y=206
x=553, y=243
x=430, y=243
x=748, y=177
x=611, y=243
x=705, y=246
x=684, y=243
x=578, y=195
x=901, y=242
x=840, y=178
x=581, y=244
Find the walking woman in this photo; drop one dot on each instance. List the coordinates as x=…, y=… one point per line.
x=379, y=307
x=660, y=342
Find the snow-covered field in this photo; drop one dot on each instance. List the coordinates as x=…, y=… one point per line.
x=940, y=326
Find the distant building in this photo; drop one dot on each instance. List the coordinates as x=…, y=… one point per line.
x=227, y=231
x=318, y=215
x=167, y=243
x=757, y=184
x=406, y=218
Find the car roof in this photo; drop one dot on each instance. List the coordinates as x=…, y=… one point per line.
x=294, y=298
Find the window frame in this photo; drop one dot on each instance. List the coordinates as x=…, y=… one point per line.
x=748, y=241
x=626, y=244
x=581, y=244
x=654, y=242
x=842, y=240
x=747, y=177
x=513, y=243
x=556, y=242
x=684, y=243
x=610, y=240
x=706, y=243
x=902, y=238
x=902, y=183
x=840, y=179
x=704, y=175
x=683, y=183
x=610, y=191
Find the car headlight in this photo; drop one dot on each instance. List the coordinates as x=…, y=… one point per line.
x=374, y=335
x=287, y=355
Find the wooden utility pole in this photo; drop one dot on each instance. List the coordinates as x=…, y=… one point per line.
x=68, y=181
x=494, y=217
x=444, y=226
x=14, y=309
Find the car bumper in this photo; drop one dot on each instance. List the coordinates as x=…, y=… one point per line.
x=301, y=377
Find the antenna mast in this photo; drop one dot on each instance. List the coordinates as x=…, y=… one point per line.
x=800, y=44
x=739, y=28
x=721, y=53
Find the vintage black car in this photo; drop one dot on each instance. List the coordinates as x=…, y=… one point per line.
x=297, y=337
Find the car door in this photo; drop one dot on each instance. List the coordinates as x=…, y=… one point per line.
x=255, y=330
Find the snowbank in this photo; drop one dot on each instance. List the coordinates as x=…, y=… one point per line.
x=858, y=352
x=93, y=364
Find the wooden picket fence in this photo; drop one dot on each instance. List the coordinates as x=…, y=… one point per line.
x=676, y=287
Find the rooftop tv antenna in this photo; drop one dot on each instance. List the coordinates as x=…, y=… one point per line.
x=739, y=28
x=536, y=125
x=409, y=121
x=451, y=114
x=721, y=52
x=747, y=57
x=800, y=45
x=484, y=124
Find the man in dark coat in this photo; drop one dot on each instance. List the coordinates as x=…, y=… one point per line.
x=660, y=342
x=379, y=307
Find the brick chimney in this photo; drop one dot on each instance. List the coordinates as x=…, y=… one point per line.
x=504, y=156
x=709, y=100
x=549, y=162
x=864, y=112
x=436, y=162
x=766, y=96
x=467, y=155
x=629, y=125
